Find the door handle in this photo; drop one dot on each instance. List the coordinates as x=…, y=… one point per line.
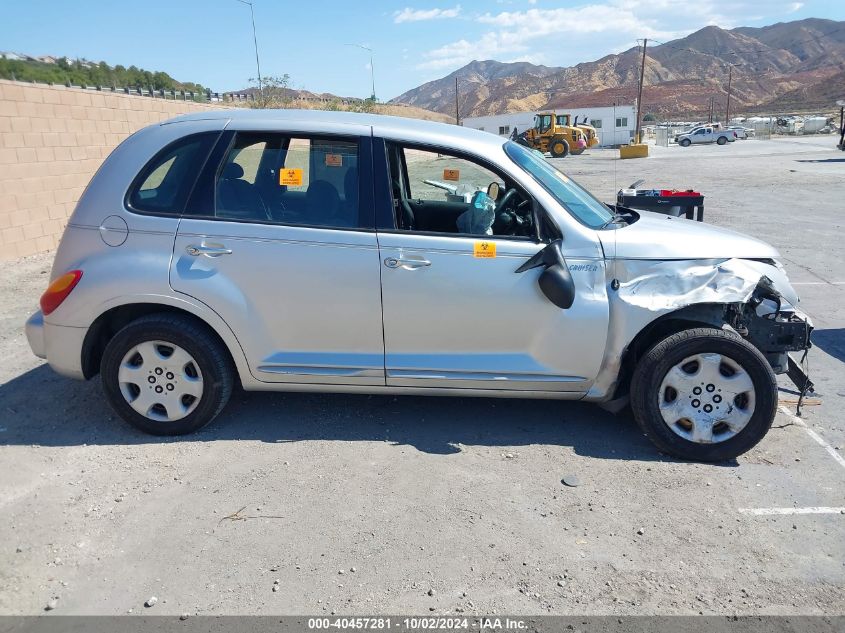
x=208, y=251
x=400, y=262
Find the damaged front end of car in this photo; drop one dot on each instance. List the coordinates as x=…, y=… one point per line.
x=650, y=299
x=775, y=327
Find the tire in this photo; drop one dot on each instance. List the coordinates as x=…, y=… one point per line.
x=748, y=416
x=721, y=140
x=685, y=142
x=142, y=355
x=559, y=148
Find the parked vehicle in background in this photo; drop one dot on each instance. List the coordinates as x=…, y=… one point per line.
x=291, y=250
x=739, y=131
x=706, y=134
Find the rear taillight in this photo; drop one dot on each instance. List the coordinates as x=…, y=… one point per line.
x=59, y=290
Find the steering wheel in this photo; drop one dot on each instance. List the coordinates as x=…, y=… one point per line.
x=505, y=200
x=512, y=221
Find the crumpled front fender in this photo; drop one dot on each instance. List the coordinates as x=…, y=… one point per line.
x=642, y=291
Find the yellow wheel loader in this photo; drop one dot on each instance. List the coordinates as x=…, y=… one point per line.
x=554, y=134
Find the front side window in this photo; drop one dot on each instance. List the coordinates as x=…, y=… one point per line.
x=436, y=192
x=267, y=177
x=574, y=198
x=164, y=184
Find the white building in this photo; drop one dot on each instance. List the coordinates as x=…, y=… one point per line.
x=615, y=125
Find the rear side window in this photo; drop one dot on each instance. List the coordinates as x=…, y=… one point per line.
x=296, y=180
x=165, y=183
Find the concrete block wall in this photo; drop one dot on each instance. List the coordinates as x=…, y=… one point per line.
x=52, y=140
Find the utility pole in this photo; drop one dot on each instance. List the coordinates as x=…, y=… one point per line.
x=640, y=93
x=457, y=112
x=728, y=107
x=255, y=41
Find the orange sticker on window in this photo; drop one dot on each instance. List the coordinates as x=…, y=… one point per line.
x=484, y=249
x=334, y=160
x=451, y=174
x=292, y=177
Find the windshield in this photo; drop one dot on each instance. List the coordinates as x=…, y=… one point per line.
x=574, y=198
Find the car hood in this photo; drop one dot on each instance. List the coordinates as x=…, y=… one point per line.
x=662, y=237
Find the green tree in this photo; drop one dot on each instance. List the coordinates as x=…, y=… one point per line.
x=81, y=72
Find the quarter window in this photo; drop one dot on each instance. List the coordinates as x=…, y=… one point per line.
x=164, y=184
x=290, y=180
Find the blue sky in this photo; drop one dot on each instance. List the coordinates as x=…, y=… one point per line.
x=210, y=41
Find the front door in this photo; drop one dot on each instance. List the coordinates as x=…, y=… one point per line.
x=456, y=314
x=703, y=135
x=277, y=240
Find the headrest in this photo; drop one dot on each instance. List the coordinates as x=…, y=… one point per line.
x=232, y=171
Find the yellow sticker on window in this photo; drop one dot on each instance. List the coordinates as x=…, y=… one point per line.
x=484, y=249
x=334, y=160
x=451, y=174
x=292, y=177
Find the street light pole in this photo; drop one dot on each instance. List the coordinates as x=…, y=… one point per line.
x=255, y=41
x=372, y=70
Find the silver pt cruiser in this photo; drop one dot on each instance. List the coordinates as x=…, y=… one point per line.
x=317, y=251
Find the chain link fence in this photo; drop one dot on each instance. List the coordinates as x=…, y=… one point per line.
x=762, y=130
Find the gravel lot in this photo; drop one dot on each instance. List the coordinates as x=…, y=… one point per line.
x=384, y=504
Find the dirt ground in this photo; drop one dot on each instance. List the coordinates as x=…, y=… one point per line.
x=382, y=504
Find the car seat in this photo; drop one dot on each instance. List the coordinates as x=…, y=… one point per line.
x=322, y=204
x=350, y=198
x=238, y=199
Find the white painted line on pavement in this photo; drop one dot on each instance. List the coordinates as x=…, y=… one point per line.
x=772, y=511
x=818, y=283
x=818, y=438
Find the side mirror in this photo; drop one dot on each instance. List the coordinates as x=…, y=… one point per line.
x=555, y=281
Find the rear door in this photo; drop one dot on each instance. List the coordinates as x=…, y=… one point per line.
x=278, y=238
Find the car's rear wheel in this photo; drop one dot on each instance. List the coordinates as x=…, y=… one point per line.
x=721, y=140
x=704, y=394
x=559, y=148
x=685, y=142
x=166, y=374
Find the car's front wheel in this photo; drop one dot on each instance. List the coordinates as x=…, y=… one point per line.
x=704, y=394
x=166, y=374
x=685, y=142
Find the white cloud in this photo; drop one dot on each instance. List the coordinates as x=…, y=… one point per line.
x=418, y=15
x=522, y=34
x=565, y=35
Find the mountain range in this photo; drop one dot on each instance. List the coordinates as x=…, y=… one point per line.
x=784, y=66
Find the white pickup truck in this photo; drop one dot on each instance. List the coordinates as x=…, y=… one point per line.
x=705, y=134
